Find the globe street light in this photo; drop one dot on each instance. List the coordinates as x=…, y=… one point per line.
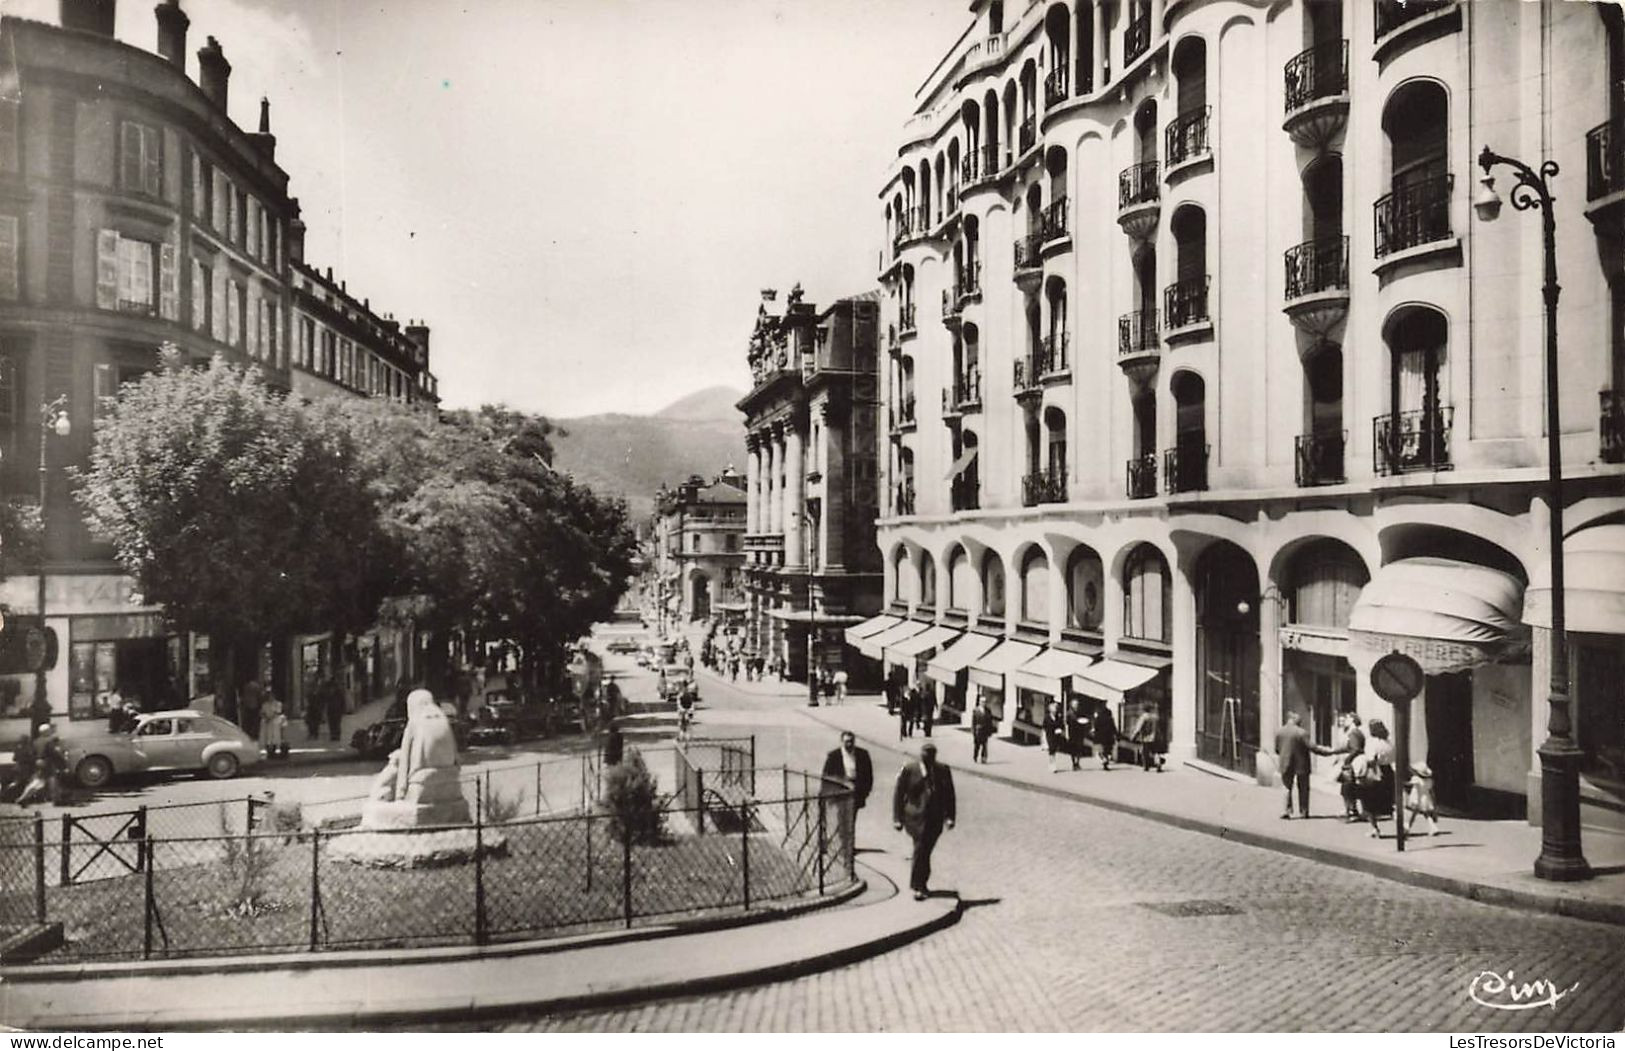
x=1560, y=854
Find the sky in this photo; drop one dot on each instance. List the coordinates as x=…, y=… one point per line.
x=582, y=198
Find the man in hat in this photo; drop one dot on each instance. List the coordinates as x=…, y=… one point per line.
x=923, y=803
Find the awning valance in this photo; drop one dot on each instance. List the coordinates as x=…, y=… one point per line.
x=990, y=669
x=963, y=462
x=1110, y=679
x=1048, y=672
x=1446, y=614
x=872, y=626
x=946, y=666
x=875, y=645
x=1593, y=583
x=915, y=646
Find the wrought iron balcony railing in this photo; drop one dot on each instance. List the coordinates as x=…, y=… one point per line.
x=967, y=390
x=903, y=415
x=1029, y=134
x=1045, y=487
x=1605, y=159
x=970, y=281
x=1186, y=138
x=1184, y=467
x=1024, y=376
x=1415, y=213
x=1137, y=38
x=1051, y=357
x=1412, y=441
x=1142, y=477
x=952, y=198
x=1185, y=302
x=965, y=493
x=969, y=170
x=992, y=161
x=1319, y=73
x=1391, y=14
x=1027, y=251
x=1054, y=225
x=1317, y=266
x=906, y=320
x=1055, y=85
x=1320, y=458
x=1611, y=427
x=1138, y=184
x=950, y=305
x=1137, y=332
x=903, y=499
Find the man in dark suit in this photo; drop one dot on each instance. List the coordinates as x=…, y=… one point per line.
x=923, y=803
x=1292, y=756
x=847, y=769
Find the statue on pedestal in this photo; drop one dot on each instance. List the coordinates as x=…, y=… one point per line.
x=424, y=789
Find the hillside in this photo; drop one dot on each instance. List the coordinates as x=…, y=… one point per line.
x=632, y=456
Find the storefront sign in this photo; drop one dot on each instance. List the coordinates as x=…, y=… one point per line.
x=1436, y=656
x=1313, y=640
x=120, y=626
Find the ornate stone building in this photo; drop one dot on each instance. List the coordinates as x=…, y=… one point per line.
x=699, y=548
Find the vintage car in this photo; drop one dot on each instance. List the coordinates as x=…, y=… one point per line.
x=625, y=645
x=175, y=740
x=384, y=736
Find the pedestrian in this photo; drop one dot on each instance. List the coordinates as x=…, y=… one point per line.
x=849, y=774
x=889, y=687
x=1419, y=798
x=22, y=769
x=1353, y=748
x=923, y=804
x=906, y=707
x=1077, y=731
x=272, y=726
x=1376, y=785
x=249, y=700
x=1103, y=729
x=614, y=745
x=315, y=703
x=981, y=731
x=827, y=681
x=927, y=710
x=1292, y=758
x=840, y=685
x=1148, y=733
x=1055, y=740
x=335, y=709
x=464, y=691
x=50, y=762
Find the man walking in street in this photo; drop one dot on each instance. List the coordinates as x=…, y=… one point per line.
x=981, y=731
x=1292, y=756
x=923, y=803
x=848, y=773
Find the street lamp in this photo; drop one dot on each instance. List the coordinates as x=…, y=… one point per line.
x=1560, y=854
x=53, y=419
x=812, y=619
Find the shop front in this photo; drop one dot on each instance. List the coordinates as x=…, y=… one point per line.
x=913, y=653
x=990, y=672
x=1228, y=658
x=1129, y=683
x=948, y=670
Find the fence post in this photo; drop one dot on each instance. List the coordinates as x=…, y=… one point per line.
x=820, y=803
x=744, y=848
x=315, y=887
x=248, y=818
x=699, y=801
x=148, y=905
x=753, y=764
x=626, y=876
x=67, y=848
x=785, y=771
x=589, y=850
x=141, y=835
x=487, y=795
x=538, y=789
x=480, y=933
x=39, y=867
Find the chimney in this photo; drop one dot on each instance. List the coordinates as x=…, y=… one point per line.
x=172, y=23
x=263, y=140
x=89, y=16
x=418, y=333
x=296, y=233
x=213, y=72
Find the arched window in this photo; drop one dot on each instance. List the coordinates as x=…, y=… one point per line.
x=1147, y=595
x=1187, y=467
x=992, y=586
x=992, y=140
x=1187, y=134
x=1416, y=211
x=1186, y=299
x=1415, y=435
x=1145, y=132
x=1323, y=582
x=1058, y=34
x=1035, y=587
x=1320, y=447
x=1055, y=223
x=1055, y=342
x=1055, y=447
x=961, y=581
x=973, y=255
x=1085, y=590
x=903, y=590
x=928, y=581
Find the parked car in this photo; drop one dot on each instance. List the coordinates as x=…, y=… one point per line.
x=624, y=646
x=384, y=736
x=173, y=740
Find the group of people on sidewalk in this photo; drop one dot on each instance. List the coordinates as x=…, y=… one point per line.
x=915, y=706
x=923, y=801
x=38, y=764
x=1365, y=772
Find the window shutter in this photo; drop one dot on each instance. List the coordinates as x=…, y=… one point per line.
x=8, y=257
x=218, y=318
x=221, y=196
x=102, y=387
x=253, y=223
x=153, y=159
x=234, y=314
x=130, y=155
x=229, y=232
x=200, y=297
x=10, y=112
x=198, y=196
x=107, y=269
x=169, y=307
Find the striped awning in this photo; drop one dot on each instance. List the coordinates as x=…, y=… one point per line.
x=947, y=665
x=1048, y=672
x=875, y=645
x=1110, y=679
x=872, y=626
x=1593, y=584
x=990, y=669
x=916, y=646
x=1446, y=614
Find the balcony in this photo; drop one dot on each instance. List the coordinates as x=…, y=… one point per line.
x=1186, y=140
x=1317, y=284
x=906, y=328
x=965, y=493
x=1029, y=135
x=894, y=345
x=966, y=393
x=1184, y=307
x=903, y=498
x=1414, y=214
x=1185, y=468
x=1412, y=441
x=1029, y=258
x=1025, y=377
x=1401, y=24
x=903, y=418
x=1611, y=427
x=992, y=162
x=1319, y=458
x=1055, y=86
x=1139, y=199
x=950, y=308
x=1045, y=487
x=1139, y=349
x=1142, y=477
x=1136, y=38
x=1605, y=172
x=969, y=171
x=1317, y=94
x=1054, y=228
x=1051, y=359
x=970, y=283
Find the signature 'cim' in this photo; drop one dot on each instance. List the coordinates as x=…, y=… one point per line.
x=1501, y=993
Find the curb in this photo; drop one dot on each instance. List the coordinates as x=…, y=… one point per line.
x=1459, y=886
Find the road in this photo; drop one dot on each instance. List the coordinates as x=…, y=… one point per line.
x=1081, y=919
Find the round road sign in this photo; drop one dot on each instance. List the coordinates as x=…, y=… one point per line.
x=1396, y=678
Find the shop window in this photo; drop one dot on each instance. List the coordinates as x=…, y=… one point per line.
x=1599, y=672
x=1084, y=580
x=1035, y=588
x=1147, y=594
x=92, y=675
x=992, y=586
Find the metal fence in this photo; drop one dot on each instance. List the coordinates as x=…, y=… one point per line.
x=303, y=890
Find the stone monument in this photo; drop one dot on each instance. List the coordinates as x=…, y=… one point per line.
x=425, y=789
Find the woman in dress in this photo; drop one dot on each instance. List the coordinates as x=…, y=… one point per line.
x=1376, y=788
x=1054, y=734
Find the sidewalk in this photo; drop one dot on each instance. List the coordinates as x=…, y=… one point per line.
x=1486, y=860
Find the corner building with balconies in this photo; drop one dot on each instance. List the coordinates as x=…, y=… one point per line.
x=1237, y=394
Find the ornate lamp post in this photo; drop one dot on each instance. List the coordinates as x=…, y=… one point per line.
x=1560, y=854
x=53, y=419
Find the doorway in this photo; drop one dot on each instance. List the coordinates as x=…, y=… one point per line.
x=1448, y=711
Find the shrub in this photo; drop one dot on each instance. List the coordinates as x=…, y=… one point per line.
x=633, y=803
x=500, y=807
x=248, y=862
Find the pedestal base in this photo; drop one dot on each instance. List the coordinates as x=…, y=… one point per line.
x=416, y=850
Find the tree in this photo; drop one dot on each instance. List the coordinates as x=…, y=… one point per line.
x=233, y=508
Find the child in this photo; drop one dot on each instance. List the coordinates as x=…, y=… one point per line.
x=1419, y=798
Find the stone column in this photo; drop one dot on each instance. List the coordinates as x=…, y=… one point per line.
x=752, y=479
x=795, y=497
x=1099, y=47
x=1182, y=723
x=767, y=516
x=781, y=480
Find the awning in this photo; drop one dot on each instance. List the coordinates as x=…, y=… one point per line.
x=1110, y=679
x=991, y=668
x=1048, y=672
x=963, y=462
x=872, y=626
x=912, y=648
x=946, y=666
x=875, y=645
x=1593, y=584
x=1446, y=614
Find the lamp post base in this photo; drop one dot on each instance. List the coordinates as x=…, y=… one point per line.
x=1561, y=859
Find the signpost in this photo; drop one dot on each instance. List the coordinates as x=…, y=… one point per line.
x=1397, y=680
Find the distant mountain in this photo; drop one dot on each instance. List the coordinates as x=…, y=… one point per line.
x=632, y=456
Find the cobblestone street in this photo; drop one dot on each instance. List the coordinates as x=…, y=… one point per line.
x=1081, y=919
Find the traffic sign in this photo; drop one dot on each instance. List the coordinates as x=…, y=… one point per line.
x=1396, y=678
